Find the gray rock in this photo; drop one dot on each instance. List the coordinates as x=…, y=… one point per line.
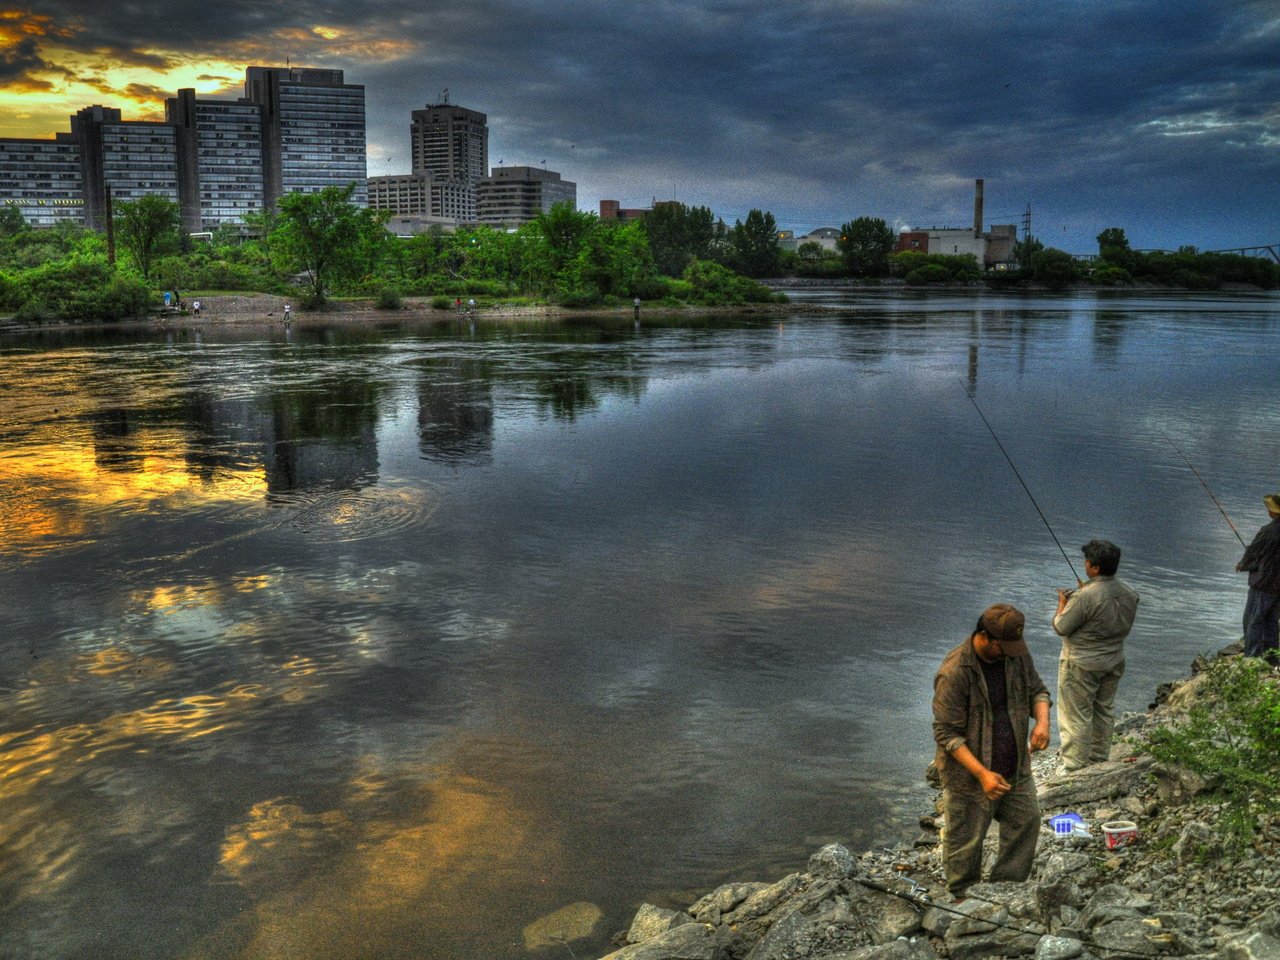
x=1064, y=863
x=650, y=921
x=1018, y=898
x=692, y=941
x=1198, y=843
x=1250, y=945
x=764, y=900
x=1260, y=942
x=884, y=917
x=1051, y=898
x=723, y=899
x=897, y=950
x=1112, y=902
x=1058, y=948
x=1176, y=786
x=1127, y=936
x=1094, y=783
x=832, y=862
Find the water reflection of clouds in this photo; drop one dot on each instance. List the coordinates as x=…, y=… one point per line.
x=384, y=872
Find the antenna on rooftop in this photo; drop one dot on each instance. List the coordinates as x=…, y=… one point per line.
x=444, y=96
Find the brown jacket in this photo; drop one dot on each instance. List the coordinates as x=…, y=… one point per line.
x=962, y=713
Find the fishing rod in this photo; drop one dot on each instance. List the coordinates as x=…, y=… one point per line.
x=1206, y=488
x=968, y=394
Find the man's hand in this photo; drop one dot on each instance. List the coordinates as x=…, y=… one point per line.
x=1040, y=736
x=993, y=785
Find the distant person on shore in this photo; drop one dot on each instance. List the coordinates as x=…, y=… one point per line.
x=984, y=696
x=1261, y=561
x=1093, y=622
x=287, y=309
x=195, y=307
x=637, y=304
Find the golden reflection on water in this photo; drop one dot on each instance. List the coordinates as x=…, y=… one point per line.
x=387, y=870
x=58, y=490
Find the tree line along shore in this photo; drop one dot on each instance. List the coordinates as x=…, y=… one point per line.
x=320, y=246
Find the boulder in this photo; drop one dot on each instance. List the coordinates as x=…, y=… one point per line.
x=1058, y=948
x=832, y=862
x=1176, y=786
x=1198, y=842
x=691, y=941
x=650, y=921
x=573, y=922
x=984, y=930
x=897, y=950
x=723, y=899
x=1260, y=942
x=1094, y=783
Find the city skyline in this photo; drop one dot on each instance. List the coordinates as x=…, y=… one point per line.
x=1161, y=119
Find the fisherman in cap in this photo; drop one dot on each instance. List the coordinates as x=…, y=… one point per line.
x=1261, y=561
x=1093, y=621
x=984, y=696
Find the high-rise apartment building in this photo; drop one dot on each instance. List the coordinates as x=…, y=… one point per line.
x=132, y=158
x=450, y=143
x=219, y=159
x=42, y=179
x=313, y=130
x=515, y=195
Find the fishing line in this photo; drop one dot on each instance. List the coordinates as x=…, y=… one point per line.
x=965, y=387
x=1206, y=488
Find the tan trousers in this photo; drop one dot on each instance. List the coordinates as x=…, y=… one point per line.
x=1086, y=713
x=969, y=816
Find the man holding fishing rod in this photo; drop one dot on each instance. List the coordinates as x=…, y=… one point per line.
x=1093, y=622
x=1262, y=608
x=984, y=696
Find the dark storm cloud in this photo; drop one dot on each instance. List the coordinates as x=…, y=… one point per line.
x=17, y=62
x=1160, y=117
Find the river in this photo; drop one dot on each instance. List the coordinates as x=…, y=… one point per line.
x=348, y=642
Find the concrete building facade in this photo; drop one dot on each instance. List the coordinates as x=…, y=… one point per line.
x=313, y=130
x=510, y=196
x=417, y=194
x=42, y=179
x=131, y=158
x=220, y=159
x=449, y=143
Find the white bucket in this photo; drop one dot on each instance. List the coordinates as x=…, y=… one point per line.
x=1119, y=833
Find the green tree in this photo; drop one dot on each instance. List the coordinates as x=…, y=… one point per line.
x=147, y=227
x=11, y=221
x=1025, y=250
x=325, y=237
x=1054, y=268
x=563, y=230
x=755, y=244
x=678, y=235
x=865, y=244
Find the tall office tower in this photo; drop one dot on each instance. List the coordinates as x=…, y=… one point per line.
x=42, y=179
x=313, y=133
x=450, y=143
x=219, y=159
x=132, y=157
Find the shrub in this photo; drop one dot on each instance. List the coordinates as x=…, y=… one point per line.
x=389, y=299
x=1231, y=737
x=929, y=273
x=441, y=302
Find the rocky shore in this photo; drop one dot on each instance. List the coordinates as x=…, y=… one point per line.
x=1172, y=892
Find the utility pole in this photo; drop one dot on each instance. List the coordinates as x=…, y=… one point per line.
x=111, y=229
x=1026, y=225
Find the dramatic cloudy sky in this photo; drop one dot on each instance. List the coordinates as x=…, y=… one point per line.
x=1159, y=116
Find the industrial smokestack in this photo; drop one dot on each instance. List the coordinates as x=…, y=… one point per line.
x=977, y=208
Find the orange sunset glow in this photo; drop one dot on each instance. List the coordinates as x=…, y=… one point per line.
x=54, y=69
